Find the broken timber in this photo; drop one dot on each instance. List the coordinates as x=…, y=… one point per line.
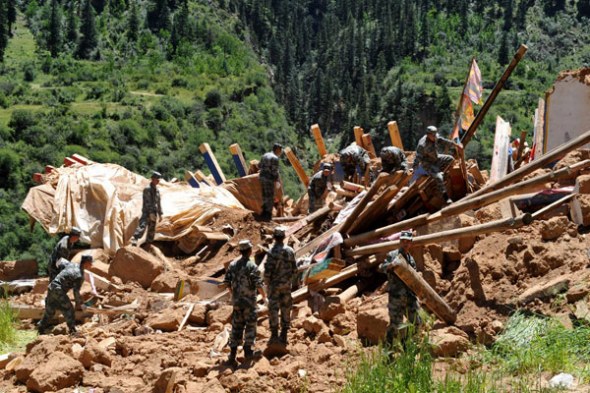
x=424, y=292
x=297, y=166
x=493, y=226
x=212, y=163
x=319, y=140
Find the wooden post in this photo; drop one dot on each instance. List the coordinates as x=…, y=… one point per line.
x=319, y=140
x=297, y=166
x=212, y=163
x=191, y=179
x=521, y=142
x=364, y=238
x=493, y=226
x=69, y=162
x=492, y=97
x=559, y=202
x=368, y=144
x=239, y=160
x=500, y=153
x=358, y=135
x=202, y=178
x=394, y=135
x=424, y=292
x=540, y=130
x=307, y=220
x=546, y=159
x=81, y=159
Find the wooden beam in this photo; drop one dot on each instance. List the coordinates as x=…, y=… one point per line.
x=297, y=166
x=489, y=227
x=202, y=178
x=424, y=292
x=319, y=140
x=239, y=161
x=394, y=135
x=557, y=203
x=191, y=179
x=366, y=237
x=358, y=135
x=368, y=144
x=492, y=97
x=212, y=163
x=307, y=220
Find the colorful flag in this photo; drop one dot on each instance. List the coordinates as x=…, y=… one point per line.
x=474, y=86
x=467, y=115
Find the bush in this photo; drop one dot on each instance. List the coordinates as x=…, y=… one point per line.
x=22, y=119
x=4, y=103
x=29, y=72
x=179, y=82
x=213, y=99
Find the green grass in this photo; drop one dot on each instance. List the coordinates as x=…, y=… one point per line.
x=7, y=319
x=529, y=352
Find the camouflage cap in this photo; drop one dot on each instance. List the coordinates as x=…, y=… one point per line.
x=245, y=245
x=431, y=130
x=279, y=232
x=156, y=175
x=326, y=166
x=75, y=231
x=86, y=258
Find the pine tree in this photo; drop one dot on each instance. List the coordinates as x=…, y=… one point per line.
x=503, y=50
x=89, y=39
x=133, y=22
x=3, y=28
x=72, y=25
x=508, y=11
x=180, y=27
x=583, y=8
x=158, y=16
x=11, y=14
x=54, y=37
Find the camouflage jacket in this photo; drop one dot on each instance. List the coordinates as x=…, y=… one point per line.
x=243, y=278
x=61, y=250
x=354, y=155
x=394, y=283
x=427, y=151
x=151, y=200
x=269, y=166
x=280, y=268
x=393, y=157
x=318, y=184
x=70, y=277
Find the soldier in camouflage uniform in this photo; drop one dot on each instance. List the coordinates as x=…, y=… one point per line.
x=393, y=159
x=351, y=157
x=243, y=279
x=280, y=270
x=269, y=178
x=70, y=277
x=431, y=162
x=151, y=211
x=62, y=250
x=402, y=301
x=318, y=186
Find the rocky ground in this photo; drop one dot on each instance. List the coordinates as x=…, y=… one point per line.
x=543, y=267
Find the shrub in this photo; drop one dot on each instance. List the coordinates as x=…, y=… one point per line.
x=29, y=72
x=21, y=119
x=4, y=103
x=213, y=99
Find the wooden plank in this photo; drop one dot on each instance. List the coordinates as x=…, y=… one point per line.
x=500, y=153
x=319, y=140
x=358, y=135
x=394, y=135
x=540, y=130
x=297, y=166
x=310, y=246
x=202, y=178
x=368, y=144
x=212, y=163
x=191, y=179
x=239, y=160
x=186, y=316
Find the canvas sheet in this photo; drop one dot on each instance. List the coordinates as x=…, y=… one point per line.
x=104, y=201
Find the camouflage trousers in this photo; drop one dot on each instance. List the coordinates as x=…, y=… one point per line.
x=279, y=300
x=58, y=300
x=401, y=303
x=315, y=202
x=147, y=220
x=243, y=318
x=52, y=270
x=268, y=195
x=435, y=171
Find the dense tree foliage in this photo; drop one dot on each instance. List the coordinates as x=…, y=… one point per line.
x=143, y=83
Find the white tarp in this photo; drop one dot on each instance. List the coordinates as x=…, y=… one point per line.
x=104, y=201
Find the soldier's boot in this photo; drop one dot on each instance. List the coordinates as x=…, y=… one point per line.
x=41, y=327
x=274, y=336
x=231, y=360
x=447, y=199
x=251, y=354
x=283, y=337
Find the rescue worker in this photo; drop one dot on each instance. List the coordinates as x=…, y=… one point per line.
x=402, y=301
x=269, y=179
x=151, y=211
x=62, y=250
x=431, y=162
x=351, y=157
x=243, y=280
x=318, y=185
x=393, y=159
x=280, y=270
x=70, y=277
